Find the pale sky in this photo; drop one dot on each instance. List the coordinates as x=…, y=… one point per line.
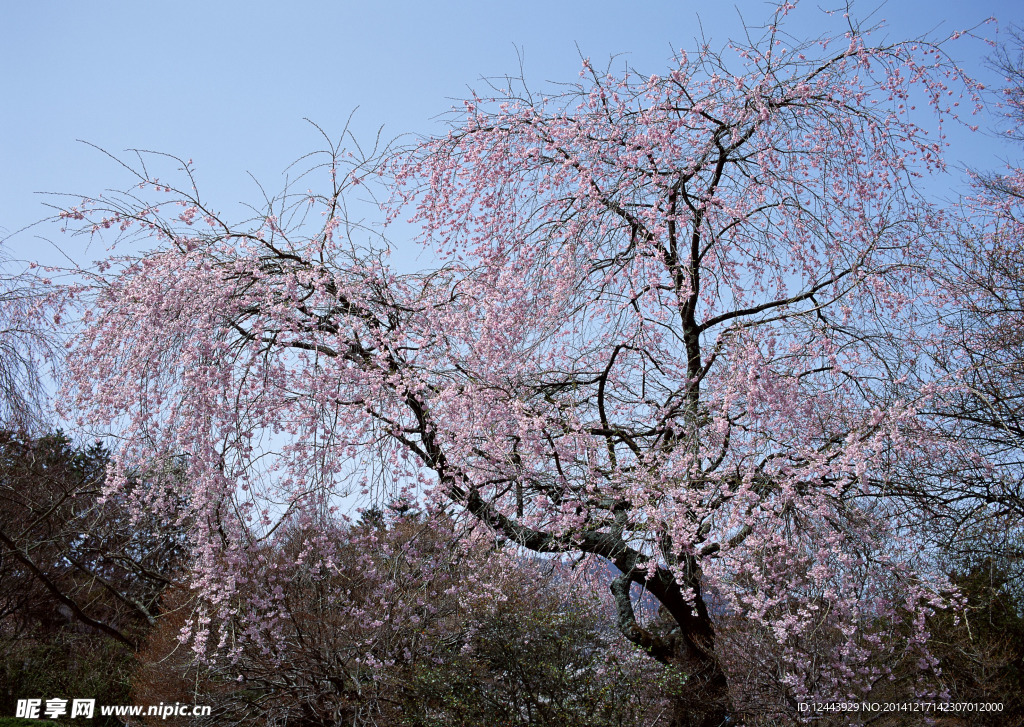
x=227, y=83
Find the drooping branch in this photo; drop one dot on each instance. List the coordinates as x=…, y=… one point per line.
x=60, y=596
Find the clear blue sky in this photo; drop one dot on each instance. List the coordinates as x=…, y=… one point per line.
x=227, y=83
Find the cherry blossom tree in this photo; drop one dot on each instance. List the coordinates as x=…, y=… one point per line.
x=670, y=327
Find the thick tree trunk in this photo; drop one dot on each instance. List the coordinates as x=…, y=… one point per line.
x=703, y=700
